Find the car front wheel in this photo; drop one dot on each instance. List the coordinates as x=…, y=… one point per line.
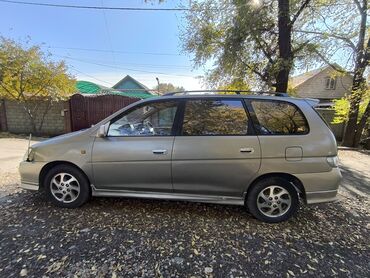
x=273, y=200
x=66, y=186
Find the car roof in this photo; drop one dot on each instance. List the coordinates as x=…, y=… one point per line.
x=222, y=92
x=226, y=96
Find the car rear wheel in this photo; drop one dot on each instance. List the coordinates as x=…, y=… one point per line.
x=66, y=186
x=273, y=200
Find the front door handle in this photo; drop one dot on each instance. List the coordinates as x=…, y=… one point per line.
x=246, y=150
x=159, y=151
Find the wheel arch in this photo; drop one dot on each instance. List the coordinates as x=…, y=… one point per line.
x=52, y=164
x=289, y=177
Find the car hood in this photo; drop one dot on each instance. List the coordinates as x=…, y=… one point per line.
x=60, y=139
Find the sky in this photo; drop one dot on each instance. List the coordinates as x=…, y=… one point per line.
x=103, y=46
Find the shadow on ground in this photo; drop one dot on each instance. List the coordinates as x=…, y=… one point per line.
x=355, y=182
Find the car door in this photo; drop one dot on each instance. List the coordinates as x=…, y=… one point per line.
x=216, y=151
x=136, y=153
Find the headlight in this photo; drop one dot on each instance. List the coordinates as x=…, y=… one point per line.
x=333, y=161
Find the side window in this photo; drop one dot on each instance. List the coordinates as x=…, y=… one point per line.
x=154, y=119
x=214, y=117
x=279, y=118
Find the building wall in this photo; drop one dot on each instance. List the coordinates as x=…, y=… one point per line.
x=315, y=86
x=19, y=122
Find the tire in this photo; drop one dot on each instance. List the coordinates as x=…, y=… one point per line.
x=66, y=186
x=272, y=200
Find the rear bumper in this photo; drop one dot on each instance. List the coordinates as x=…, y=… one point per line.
x=321, y=187
x=30, y=172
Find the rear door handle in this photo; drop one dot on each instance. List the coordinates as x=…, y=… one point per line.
x=159, y=151
x=246, y=150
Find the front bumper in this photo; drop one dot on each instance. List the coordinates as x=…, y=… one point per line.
x=30, y=172
x=321, y=187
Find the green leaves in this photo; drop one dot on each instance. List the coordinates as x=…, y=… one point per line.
x=168, y=87
x=26, y=73
x=240, y=38
x=342, y=107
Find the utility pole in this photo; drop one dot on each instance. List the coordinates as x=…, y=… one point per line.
x=158, y=85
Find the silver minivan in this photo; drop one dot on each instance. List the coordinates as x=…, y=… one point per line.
x=262, y=151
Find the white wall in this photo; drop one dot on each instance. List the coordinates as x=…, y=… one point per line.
x=315, y=86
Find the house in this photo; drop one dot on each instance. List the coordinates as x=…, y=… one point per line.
x=324, y=84
x=130, y=84
x=128, y=87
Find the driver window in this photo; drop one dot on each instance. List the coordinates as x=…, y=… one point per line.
x=154, y=119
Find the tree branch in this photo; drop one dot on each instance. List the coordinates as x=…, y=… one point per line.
x=299, y=48
x=6, y=89
x=260, y=74
x=265, y=51
x=325, y=60
x=298, y=13
x=358, y=4
x=336, y=36
x=44, y=115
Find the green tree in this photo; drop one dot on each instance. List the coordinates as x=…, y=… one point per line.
x=341, y=34
x=27, y=75
x=250, y=40
x=342, y=111
x=262, y=41
x=361, y=52
x=236, y=84
x=167, y=87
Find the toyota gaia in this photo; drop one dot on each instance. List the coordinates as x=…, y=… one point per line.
x=262, y=151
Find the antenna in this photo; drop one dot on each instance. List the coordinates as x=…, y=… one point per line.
x=29, y=145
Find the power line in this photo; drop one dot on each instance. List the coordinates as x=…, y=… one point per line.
x=115, y=51
x=126, y=8
x=95, y=7
x=109, y=36
x=88, y=75
x=129, y=69
x=155, y=66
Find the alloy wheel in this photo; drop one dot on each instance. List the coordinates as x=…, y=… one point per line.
x=65, y=187
x=274, y=201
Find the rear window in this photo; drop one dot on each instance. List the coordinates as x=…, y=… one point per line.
x=279, y=118
x=214, y=117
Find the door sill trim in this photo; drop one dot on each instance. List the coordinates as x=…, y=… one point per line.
x=227, y=200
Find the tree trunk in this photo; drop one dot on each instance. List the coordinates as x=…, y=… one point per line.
x=353, y=130
x=285, y=46
x=48, y=106
x=352, y=133
x=361, y=125
x=352, y=125
x=367, y=142
x=31, y=117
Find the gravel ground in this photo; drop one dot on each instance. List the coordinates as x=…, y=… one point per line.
x=121, y=237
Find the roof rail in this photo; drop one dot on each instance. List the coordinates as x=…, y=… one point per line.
x=237, y=92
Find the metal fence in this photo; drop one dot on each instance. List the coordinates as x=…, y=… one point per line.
x=89, y=110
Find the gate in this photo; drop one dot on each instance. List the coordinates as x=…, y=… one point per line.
x=89, y=110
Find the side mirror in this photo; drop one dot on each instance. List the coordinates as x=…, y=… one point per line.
x=103, y=130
